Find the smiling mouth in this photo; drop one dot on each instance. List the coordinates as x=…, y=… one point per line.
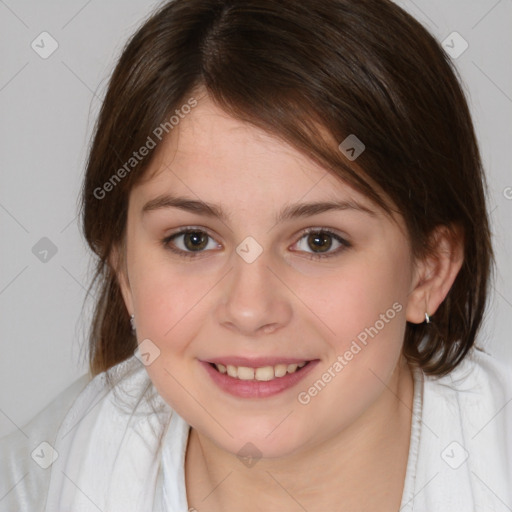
x=262, y=374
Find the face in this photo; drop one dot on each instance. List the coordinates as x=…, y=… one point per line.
x=260, y=284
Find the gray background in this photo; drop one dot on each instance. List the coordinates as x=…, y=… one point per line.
x=48, y=108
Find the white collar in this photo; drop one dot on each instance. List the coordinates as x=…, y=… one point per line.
x=122, y=448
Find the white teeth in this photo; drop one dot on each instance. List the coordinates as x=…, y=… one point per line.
x=245, y=373
x=280, y=370
x=264, y=373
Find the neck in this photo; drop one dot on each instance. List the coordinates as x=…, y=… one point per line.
x=362, y=467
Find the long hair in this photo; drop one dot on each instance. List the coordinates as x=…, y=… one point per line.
x=311, y=73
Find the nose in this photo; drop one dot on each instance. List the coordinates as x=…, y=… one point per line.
x=253, y=300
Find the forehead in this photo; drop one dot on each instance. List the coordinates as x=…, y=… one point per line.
x=212, y=155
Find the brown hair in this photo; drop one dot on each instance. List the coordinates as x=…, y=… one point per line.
x=310, y=73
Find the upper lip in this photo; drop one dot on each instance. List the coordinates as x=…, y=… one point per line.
x=255, y=362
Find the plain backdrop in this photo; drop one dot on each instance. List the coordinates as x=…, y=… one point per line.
x=48, y=108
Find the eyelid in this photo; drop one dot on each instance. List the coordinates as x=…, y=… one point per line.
x=344, y=243
x=323, y=229
x=187, y=229
x=183, y=231
x=311, y=255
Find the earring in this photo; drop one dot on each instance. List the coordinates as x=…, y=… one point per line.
x=132, y=322
x=427, y=318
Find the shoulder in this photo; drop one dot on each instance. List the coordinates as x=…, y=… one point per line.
x=466, y=434
x=480, y=382
x=88, y=422
x=25, y=453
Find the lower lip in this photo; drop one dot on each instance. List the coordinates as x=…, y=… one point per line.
x=256, y=388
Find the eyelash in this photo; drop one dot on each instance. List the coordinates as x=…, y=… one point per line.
x=318, y=256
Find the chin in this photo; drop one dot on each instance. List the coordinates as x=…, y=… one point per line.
x=256, y=441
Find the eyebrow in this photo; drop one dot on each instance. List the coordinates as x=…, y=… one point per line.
x=293, y=211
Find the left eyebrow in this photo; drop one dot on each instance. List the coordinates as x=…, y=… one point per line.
x=309, y=209
x=293, y=211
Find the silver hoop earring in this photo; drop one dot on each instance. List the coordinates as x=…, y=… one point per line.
x=427, y=318
x=132, y=322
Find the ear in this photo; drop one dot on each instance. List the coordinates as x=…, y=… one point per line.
x=117, y=262
x=434, y=275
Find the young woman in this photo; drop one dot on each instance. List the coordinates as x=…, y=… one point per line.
x=287, y=205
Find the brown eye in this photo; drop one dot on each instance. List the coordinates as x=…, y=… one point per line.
x=317, y=243
x=195, y=240
x=320, y=242
x=190, y=242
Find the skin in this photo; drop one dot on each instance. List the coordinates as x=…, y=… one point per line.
x=350, y=443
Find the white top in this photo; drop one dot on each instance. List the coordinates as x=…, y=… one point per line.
x=122, y=449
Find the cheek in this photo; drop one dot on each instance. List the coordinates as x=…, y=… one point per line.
x=367, y=291
x=168, y=305
x=365, y=309
x=164, y=296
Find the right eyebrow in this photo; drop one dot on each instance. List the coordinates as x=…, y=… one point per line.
x=186, y=204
